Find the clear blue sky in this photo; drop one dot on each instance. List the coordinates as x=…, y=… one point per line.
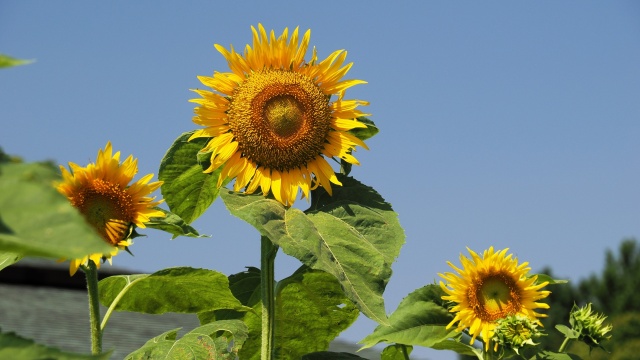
x=513, y=124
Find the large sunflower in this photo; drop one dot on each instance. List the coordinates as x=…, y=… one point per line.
x=490, y=288
x=102, y=194
x=272, y=119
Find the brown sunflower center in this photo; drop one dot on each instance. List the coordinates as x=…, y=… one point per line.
x=108, y=208
x=495, y=297
x=280, y=119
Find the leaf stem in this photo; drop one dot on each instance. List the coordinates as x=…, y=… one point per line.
x=268, y=253
x=114, y=303
x=91, y=274
x=564, y=344
x=404, y=352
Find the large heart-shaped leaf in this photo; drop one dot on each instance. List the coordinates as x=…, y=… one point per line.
x=36, y=220
x=186, y=189
x=311, y=310
x=354, y=235
x=420, y=319
x=179, y=289
x=218, y=340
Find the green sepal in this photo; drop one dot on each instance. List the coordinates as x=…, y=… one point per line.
x=220, y=340
x=13, y=346
x=365, y=133
x=173, y=224
x=544, y=277
x=179, y=290
x=36, y=220
x=187, y=190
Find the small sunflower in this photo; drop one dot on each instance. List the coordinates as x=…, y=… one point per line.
x=102, y=194
x=490, y=288
x=272, y=119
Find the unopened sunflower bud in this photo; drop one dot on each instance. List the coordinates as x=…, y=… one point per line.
x=515, y=332
x=590, y=325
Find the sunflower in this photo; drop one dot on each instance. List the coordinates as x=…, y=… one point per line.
x=102, y=194
x=272, y=120
x=490, y=288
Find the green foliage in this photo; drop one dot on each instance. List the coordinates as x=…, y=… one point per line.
x=612, y=292
x=311, y=310
x=328, y=355
x=615, y=291
x=550, y=355
x=8, y=61
x=548, y=278
x=343, y=234
x=220, y=340
x=36, y=220
x=173, y=224
x=396, y=352
x=420, y=319
x=13, y=346
x=7, y=258
x=186, y=189
x=179, y=290
x=365, y=133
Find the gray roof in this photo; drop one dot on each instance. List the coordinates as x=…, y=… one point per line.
x=39, y=301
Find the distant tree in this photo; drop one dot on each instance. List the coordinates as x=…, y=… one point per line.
x=616, y=290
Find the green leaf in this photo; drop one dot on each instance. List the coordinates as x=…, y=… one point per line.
x=353, y=235
x=8, y=61
x=179, y=290
x=568, y=332
x=186, y=189
x=204, y=342
x=245, y=287
x=365, y=133
x=544, y=277
x=311, y=310
x=418, y=320
x=550, y=355
x=328, y=355
x=457, y=346
x=7, y=259
x=13, y=346
x=173, y=224
x=396, y=352
x=36, y=220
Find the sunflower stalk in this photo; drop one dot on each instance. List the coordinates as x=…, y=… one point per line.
x=91, y=274
x=564, y=344
x=267, y=289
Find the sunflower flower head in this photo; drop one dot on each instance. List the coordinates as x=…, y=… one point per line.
x=589, y=325
x=103, y=193
x=489, y=288
x=275, y=116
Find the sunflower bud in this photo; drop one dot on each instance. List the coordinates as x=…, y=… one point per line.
x=514, y=332
x=589, y=325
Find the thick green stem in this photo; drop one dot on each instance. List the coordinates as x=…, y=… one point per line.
x=91, y=273
x=405, y=353
x=564, y=344
x=267, y=289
